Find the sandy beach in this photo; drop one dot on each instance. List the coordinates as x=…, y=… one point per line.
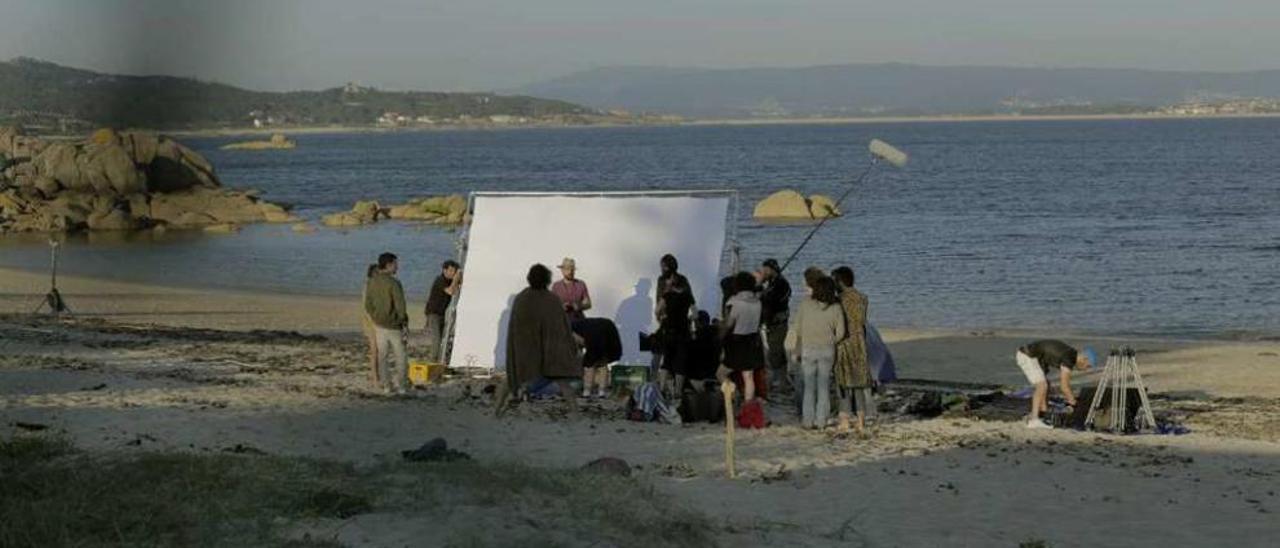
x=166, y=369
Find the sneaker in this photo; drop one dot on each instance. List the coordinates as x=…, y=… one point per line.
x=1038, y=424
x=601, y=394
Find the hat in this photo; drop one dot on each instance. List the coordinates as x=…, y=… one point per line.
x=568, y=263
x=773, y=264
x=1090, y=355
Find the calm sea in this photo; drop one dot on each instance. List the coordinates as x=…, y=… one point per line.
x=1151, y=226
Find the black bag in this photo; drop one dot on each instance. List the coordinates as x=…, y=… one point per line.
x=651, y=342
x=1133, y=402
x=705, y=406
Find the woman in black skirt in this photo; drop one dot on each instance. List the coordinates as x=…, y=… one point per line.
x=740, y=331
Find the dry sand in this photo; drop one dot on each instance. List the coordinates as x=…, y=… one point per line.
x=114, y=384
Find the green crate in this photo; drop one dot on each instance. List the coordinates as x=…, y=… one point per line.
x=628, y=376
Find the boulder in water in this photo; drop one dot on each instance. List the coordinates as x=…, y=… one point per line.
x=451, y=209
x=783, y=204
x=789, y=205
x=278, y=141
x=821, y=207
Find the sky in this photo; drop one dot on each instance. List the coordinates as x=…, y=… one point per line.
x=499, y=45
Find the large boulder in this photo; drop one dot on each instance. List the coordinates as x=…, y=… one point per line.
x=215, y=205
x=451, y=209
x=342, y=219
x=58, y=160
x=116, y=181
x=277, y=141
x=789, y=205
x=273, y=213
x=784, y=204
x=175, y=168
x=110, y=169
x=821, y=207
x=112, y=219
x=363, y=213
x=141, y=146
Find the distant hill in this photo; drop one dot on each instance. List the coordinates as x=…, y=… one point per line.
x=37, y=92
x=894, y=89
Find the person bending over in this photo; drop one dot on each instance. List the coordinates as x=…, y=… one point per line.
x=1037, y=358
x=602, y=346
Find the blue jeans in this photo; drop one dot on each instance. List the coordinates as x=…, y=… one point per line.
x=815, y=369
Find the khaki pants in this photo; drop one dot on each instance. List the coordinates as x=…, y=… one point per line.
x=393, y=366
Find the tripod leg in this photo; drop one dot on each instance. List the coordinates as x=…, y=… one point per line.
x=1146, y=415
x=1097, y=393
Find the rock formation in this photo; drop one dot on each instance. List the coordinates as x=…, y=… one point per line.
x=450, y=210
x=116, y=181
x=789, y=205
x=441, y=210
x=278, y=141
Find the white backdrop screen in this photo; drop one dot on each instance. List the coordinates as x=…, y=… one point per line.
x=616, y=241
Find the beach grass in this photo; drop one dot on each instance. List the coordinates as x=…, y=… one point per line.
x=57, y=495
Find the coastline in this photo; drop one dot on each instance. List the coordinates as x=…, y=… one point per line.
x=343, y=130
x=966, y=119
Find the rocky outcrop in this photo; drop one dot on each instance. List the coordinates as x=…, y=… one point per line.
x=451, y=210
x=363, y=213
x=821, y=206
x=116, y=181
x=789, y=205
x=442, y=210
x=278, y=141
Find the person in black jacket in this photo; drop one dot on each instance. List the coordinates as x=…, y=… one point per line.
x=775, y=302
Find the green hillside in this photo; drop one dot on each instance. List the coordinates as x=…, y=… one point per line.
x=42, y=94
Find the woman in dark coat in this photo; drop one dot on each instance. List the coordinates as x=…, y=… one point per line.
x=540, y=343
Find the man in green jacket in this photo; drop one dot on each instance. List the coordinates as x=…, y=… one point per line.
x=384, y=302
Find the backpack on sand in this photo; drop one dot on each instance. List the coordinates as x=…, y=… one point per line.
x=706, y=406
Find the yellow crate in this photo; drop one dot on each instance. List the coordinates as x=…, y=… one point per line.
x=422, y=373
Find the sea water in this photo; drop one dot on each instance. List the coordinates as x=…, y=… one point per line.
x=1134, y=226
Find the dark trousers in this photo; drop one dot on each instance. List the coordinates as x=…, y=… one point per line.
x=776, y=338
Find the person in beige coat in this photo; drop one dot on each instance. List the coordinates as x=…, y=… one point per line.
x=816, y=327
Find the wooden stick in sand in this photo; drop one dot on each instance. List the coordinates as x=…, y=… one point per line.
x=727, y=389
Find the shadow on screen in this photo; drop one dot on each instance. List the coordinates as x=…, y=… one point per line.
x=500, y=345
x=635, y=314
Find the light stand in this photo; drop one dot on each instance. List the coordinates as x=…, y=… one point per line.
x=53, y=299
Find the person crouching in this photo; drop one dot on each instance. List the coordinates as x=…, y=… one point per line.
x=540, y=341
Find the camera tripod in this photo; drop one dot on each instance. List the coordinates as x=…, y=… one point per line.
x=53, y=299
x=1121, y=374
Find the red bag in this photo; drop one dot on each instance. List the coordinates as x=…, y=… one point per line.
x=751, y=415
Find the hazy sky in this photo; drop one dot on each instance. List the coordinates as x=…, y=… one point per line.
x=490, y=44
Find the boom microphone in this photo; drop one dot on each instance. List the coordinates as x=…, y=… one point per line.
x=879, y=150
x=888, y=153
